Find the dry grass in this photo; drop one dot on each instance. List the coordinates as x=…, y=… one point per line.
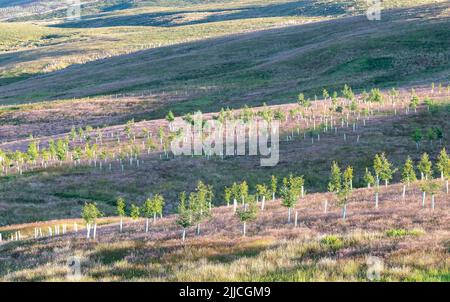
x=322, y=248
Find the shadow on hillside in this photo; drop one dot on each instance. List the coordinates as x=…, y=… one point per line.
x=307, y=8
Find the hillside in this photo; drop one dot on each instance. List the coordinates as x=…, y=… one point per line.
x=93, y=110
x=413, y=243
x=265, y=65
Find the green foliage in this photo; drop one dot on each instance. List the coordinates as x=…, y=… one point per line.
x=443, y=163
x=415, y=101
x=369, y=179
x=135, y=212
x=408, y=172
x=403, y=232
x=33, y=151
x=347, y=93
x=90, y=212
x=333, y=242
x=170, y=117
x=121, y=206
x=425, y=166
x=375, y=96
x=302, y=101
x=248, y=212
x=184, y=218
x=417, y=135
x=335, y=183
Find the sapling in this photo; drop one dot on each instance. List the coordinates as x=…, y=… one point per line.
x=90, y=215
x=369, y=179
x=148, y=210
x=443, y=163
x=429, y=187
x=135, y=212
x=291, y=192
x=273, y=186
x=425, y=167
x=121, y=211
x=247, y=213
x=262, y=190
x=243, y=191
x=378, y=167
x=387, y=171
x=184, y=218
x=227, y=195
x=345, y=192
x=408, y=175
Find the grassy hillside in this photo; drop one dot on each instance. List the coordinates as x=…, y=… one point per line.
x=270, y=66
x=411, y=241
x=58, y=191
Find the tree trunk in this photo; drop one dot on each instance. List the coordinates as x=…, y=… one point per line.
x=234, y=205
x=146, y=225
x=95, y=231
x=184, y=234
x=198, y=229
x=376, y=200
x=244, y=231
x=273, y=196
x=121, y=224
x=154, y=218
x=303, y=191
x=88, y=228
x=344, y=212
x=432, y=202
x=404, y=192
x=326, y=207
x=446, y=186
x=296, y=218
x=423, y=199
x=289, y=215
x=263, y=203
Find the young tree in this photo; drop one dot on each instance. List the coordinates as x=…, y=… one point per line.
x=227, y=195
x=291, y=192
x=90, y=215
x=325, y=94
x=443, y=163
x=249, y=212
x=417, y=137
x=335, y=183
x=414, y=102
x=158, y=206
x=408, y=175
x=198, y=202
x=378, y=167
x=184, y=218
x=273, y=186
x=33, y=150
x=429, y=187
x=369, y=179
x=346, y=190
x=121, y=210
x=243, y=190
x=387, y=171
x=348, y=177
x=261, y=191
x=170, y=118
x=135, y=212
x=148, y=211
x=425, y=167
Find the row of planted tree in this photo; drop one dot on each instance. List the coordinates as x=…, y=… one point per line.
x=101, y=148
x=194, y=208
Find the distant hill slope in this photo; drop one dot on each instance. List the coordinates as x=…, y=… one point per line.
x=406, y=46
